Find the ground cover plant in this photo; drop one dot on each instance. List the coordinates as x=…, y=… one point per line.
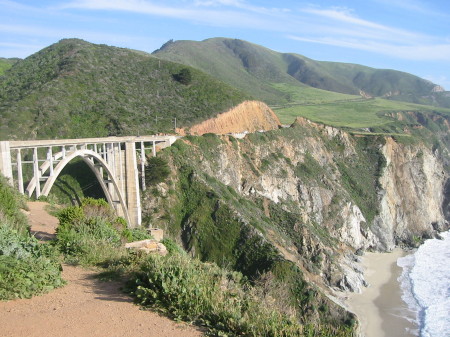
x=219, y=299
x=27, y=267
x=92, y=234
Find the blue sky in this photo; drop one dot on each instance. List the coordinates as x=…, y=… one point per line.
x=406, y=35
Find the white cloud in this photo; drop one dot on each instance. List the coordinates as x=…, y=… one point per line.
x=343, y=19
x=436, y=52
x=189, y=12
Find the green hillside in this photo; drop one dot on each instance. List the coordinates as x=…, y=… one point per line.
x=260, y=71
x=254, y=69
x=78, y=89
x=6, y=64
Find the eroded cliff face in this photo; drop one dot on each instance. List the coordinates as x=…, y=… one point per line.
x=310, y=196
x=249, y=116
x=319, y=195
x=412, y=195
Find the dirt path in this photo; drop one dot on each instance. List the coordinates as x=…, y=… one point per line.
x=84, y=307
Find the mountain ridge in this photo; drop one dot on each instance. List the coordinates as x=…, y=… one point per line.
x=258, y=62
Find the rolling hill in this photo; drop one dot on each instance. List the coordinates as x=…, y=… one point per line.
x=338, y=94
x=269, y=75
x=74, y=88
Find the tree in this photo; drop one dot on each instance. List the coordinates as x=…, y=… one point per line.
x=184, y=76
x=156, y=171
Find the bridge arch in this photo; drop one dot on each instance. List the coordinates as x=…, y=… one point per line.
x=114, y=161
x=94, y=162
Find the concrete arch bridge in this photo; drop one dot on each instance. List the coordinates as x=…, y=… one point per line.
x=117, y=162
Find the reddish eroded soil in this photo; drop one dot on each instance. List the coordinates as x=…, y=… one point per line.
x=84, y=307
x=250, y=116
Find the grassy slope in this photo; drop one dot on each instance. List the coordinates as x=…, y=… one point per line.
x=256, y=69
x=251, y=68
x=78, y=89
x=371, y=113
x=216, y=224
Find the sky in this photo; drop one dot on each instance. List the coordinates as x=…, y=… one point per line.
x=406, y=35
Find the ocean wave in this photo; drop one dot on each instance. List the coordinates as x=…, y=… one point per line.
x=425, y=282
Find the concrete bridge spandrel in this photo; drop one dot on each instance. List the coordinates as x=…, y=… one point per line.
x=117, y=162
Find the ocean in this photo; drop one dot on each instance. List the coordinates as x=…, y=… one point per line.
x=425, y=282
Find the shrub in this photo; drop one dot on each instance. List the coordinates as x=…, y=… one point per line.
x=156, y=171
x=23, y=278
x=136, y=234
x=10, y=204
x=202, y=292
x=90, y=234
x=70, y=216
x=27, y=267
x=90, y=242
x=184, y=76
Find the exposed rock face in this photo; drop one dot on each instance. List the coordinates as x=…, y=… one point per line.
x=313, y=172
x=248, y=116
x=412, y=195
x=438, y=88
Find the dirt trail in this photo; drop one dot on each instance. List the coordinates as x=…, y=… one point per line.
x=84, y=307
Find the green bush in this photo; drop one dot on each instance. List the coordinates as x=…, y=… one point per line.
x=23, y=278
x=184, y=76
x=89, y=243
x=70, y=216
x=202, y=292
x=156, y=171
x=27, y=267
x=136, y=234
x=10, y=204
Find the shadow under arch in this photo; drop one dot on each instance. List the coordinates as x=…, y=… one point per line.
x=75, y=182
x=94, y=161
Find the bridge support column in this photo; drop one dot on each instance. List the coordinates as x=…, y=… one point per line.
x=132, y=185
x=5, y=161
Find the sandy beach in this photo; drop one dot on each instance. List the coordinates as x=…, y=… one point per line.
x=380, y=308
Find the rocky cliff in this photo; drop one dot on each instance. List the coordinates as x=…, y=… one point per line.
x=318, y=196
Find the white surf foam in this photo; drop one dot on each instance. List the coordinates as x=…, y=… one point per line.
x=425, y=282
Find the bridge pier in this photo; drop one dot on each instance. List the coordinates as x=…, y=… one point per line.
x=5, y=161
x=132, y=184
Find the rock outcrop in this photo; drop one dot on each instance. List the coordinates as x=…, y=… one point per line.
x=325, y=194
x=411, y=195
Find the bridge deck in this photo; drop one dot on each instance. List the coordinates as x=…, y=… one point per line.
x=80, y=141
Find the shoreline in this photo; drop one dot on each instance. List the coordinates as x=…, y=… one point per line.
x=380, y=308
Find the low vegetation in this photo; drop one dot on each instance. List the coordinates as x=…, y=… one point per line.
x=364, y=115
x=27, y=267
x=224, y=301
x=91, y=234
